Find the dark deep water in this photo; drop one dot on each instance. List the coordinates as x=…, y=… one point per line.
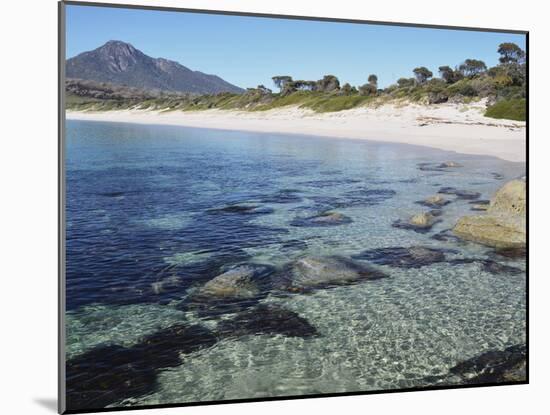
x=153, y=212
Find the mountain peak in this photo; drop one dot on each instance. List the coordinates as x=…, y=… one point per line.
x=117, y=43
x=121, y=63
x=117, y=47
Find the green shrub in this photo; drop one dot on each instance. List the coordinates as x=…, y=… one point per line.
x=513, y=109
x=336, y=103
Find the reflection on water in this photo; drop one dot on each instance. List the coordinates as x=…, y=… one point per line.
x=154, y=213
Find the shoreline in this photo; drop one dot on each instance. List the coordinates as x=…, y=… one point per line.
x=453, y=127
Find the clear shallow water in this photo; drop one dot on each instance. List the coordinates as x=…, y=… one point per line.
x=141, y=236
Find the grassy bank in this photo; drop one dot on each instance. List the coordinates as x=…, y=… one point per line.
x=513, y=109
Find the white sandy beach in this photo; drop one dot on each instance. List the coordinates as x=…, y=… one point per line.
x=455, y=127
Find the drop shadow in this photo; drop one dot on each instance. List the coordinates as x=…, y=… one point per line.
x=48, y=403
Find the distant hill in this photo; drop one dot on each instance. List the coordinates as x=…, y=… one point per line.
x=120, y=63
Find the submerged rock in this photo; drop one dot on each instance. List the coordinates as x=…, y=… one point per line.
x=329, y=182
x=460, y=194
x=112, y=194
x=106, y=375
x=447, y=164
x=243, y=210
x=508, y=365
x=293, y=245
x=483, y=202
x=324, y=272
x=479, y=208
x=434, y=202
x=352, y=198
x=504, y=225
x=488, y=265
x=267, y=319
x=370, y=197
x=166, y=284
x=494, y=267
x=407, y=181
x=446, y=235
x=111, y=373
x=323, y=219
x=511, y=253
x=421, y=222
x=283, y=196
x=479, y=205
x=438, y=166
x=402, y=257
x=162, y=349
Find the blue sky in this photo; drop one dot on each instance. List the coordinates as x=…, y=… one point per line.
x=248, y=51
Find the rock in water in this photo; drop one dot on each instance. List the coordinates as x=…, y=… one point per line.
x=436, y=212
x=504, y=225
x=447, y=235
x=434, y=202
x=166, y=284
x=366, y=197
x=324, y=272
x=267, y=319
x=421, y=222
x=238, y=282
x=283, y=196
x=242, y=210
x=323, y=219
x=450, y=164
x=507, y=365
x=106, y=375
x=438, y=166
x=401, y=257
x=460, y=194
x=234, y=289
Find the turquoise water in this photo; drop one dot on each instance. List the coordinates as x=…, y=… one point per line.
x=144, y=232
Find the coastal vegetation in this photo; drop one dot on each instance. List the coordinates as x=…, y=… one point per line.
x=503, y=86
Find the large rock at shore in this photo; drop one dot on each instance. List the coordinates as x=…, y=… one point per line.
x=504, y=225
x=498, y=232
x=510, y=199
